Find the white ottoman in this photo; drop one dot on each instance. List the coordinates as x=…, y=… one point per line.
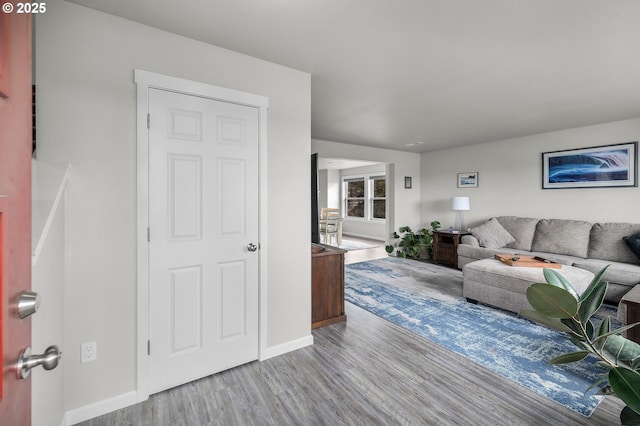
x=494, y=283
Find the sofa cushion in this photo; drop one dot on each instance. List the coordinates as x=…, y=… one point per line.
x=618, y=272
x=607, y=242
x=521, y=228
x=562, y=236
x=633, y=243
x=476, y=252
x=491, y=234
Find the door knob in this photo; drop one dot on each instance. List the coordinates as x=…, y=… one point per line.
x=252, y=247
x=48, y=360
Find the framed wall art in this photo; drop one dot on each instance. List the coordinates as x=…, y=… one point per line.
x=407, y=182
x=595, y=167
x=468, y=180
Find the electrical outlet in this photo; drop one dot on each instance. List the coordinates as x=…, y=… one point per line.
x=89, y=352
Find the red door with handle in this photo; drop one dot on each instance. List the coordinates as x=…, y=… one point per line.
x=15, y=209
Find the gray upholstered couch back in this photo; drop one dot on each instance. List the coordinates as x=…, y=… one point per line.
x=572, y=237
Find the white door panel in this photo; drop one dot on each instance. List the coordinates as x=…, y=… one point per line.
x=203, y=213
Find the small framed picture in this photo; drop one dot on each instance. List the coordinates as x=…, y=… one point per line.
x=468, y=180
x=407, y=182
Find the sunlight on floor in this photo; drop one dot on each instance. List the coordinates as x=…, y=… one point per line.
x=356, y=256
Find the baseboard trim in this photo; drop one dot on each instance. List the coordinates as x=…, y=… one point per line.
x=286, y=347
x=87, y=412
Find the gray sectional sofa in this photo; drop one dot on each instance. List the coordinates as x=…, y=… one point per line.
x=571, y=242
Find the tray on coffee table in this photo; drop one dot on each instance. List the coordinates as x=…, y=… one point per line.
x=527, y=261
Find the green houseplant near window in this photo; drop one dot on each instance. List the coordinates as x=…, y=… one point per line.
x=413, y=245
x=557, y=305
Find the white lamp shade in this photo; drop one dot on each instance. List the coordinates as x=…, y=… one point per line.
x=460, y=203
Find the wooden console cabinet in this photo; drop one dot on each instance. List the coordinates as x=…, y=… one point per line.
x=632, y=302
x=327, y=285
x=445, y=247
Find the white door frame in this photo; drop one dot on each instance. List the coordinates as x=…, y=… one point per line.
x=144, y=81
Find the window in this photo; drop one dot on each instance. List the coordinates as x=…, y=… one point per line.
x=365, y=197
x=378, y=200
x=355, y=202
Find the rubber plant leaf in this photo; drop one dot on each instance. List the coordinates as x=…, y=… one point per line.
x=552, y=301
x=628, y=417
x=603, y=329
x=554, y=277
x=570, y=357
x=626, y=385
x=616, y=331
x=573, y=325
x=621, y=348
x=552, y=323
x=590, y=304
x=594, y=283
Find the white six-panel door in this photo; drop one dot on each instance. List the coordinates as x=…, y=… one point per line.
x=203, y=220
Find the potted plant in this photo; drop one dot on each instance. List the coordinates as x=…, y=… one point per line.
x=413, y=245
x=557, y=305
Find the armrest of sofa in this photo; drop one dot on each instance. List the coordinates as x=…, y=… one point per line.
x=470, y=240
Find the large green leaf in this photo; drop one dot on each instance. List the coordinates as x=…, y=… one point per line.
x=626, y=385
x=621, y=348
x=553, y=323
x=594, y=283
x=615, y=331
x=570, y=357
x=590, y=304
x=552, y=301
x=555, y=278
x=602, y=384
x=573, y=325
x=603, y=330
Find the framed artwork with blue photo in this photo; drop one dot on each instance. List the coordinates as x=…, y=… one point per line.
x=595, y=167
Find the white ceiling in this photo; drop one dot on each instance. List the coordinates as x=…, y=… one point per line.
x=387, y=73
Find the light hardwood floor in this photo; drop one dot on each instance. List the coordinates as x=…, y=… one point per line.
x=366, y=371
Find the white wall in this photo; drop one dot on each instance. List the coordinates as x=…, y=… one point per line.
x=329, y=188
x=87, y=117
x=48, y=278
x=510, y=179
x=406, y=202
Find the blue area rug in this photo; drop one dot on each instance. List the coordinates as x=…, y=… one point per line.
x=511, y=346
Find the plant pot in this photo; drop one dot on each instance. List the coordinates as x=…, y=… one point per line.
x=425, y=252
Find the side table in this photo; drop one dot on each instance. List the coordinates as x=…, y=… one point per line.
x=629, y=312
x=445, y=247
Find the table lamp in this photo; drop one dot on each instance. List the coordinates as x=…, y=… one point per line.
x=459, y=204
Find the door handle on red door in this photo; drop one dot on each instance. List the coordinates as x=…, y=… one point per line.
x=48, y=360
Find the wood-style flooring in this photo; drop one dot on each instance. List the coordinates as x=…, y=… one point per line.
x=366, y=371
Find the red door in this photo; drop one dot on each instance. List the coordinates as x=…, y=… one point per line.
x=15, y=209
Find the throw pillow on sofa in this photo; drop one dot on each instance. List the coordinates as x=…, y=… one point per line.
x=562, y=236
x=521, y=228
x=491, y=234
x=633, y=241
x=607, y=242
